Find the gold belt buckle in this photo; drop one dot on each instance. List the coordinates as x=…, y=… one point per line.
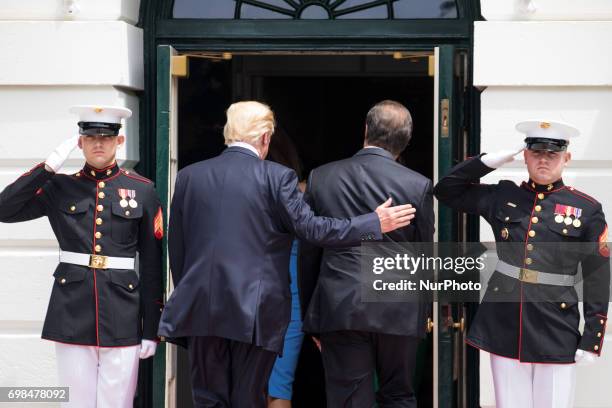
x=98, y=261
x=528, y=275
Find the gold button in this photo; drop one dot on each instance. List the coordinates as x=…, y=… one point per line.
x=63, y=281
x=541, y=196
x=100, y=207
x=99, y=221
x=101, y=194
x=596, y=347
x=127, y=213
x=532, y=233
x=538, y=208
x=507, y=219
x=72, y=208
x=93, y=173
x=131, y=286
x=528, y=261
x=565, y=230
x=495, y=289
x=98, y=248
x=101, y=184
x=601, y=321
x=599, y=334
x=530, y=247
x=563, y=305
x=534, y=220
x=109, y=172
x=98, y=235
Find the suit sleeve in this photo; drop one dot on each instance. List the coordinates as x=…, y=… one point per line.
x=176, y=247
x=298, y=217
x=596, y=284
x=460, y=189
x=309, y=259
x=25, y=199
x=150, y=256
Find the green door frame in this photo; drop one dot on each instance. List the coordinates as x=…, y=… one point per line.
x=246, y=35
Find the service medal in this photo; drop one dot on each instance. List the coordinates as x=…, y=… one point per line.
x=126, y=194
x=567, y=220
x=577, y=223
x=559, y=219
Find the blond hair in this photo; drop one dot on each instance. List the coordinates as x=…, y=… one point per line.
x=247, y=121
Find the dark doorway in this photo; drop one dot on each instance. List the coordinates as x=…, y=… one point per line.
x=321, y=103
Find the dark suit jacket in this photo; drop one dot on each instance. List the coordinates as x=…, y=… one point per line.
x=232, y=222
x=342, y=189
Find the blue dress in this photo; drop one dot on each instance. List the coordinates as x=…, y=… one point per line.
x=283, y=373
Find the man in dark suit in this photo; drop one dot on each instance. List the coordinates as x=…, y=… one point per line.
x=357, y=338
x=232, y=222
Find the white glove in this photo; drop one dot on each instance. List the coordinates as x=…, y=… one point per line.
x=57, y=158
x=147, y=348
x=498, y=159
x=584, y=358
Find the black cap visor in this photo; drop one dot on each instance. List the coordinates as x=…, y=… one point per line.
x=99, y=128
x=550, y=145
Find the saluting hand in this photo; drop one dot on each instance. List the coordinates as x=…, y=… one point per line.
x=392, y=218
x=498, y=159
x=58, y=156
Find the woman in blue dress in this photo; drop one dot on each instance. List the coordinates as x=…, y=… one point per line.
x=280, y=385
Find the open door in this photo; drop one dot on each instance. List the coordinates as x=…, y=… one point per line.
x=170, y=66
x=449, y=317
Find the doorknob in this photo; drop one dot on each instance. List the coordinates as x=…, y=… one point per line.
x=459, y=325
x=430, y=325
x=445, y=117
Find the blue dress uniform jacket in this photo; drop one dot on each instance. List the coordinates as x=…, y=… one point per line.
x=96, y=307
x=523, y=319
x=232, y=223
x=330, y=279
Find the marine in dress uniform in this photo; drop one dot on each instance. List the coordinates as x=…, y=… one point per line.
x=529, y=316
x=102, y=314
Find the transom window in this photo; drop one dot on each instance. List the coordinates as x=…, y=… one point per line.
x=315, y=9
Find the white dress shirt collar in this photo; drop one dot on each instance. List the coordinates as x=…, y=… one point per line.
x=244, y=145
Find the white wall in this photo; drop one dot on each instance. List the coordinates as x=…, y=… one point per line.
x=530, y=68
x=57, y=10
x=49, y=61
x=538, y=10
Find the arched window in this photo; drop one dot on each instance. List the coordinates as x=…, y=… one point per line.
x=315, y=9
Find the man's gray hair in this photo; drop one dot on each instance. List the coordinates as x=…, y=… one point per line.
x=389, y=125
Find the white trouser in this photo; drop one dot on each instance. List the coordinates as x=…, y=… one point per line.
x=102, y=377
x=530, y=385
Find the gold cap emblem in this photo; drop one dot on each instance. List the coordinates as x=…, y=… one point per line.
x=505, y=233
x=544, y=125
x=98, y=110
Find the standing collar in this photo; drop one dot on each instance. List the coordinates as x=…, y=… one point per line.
x=244, y=146
x=543, y=188
x=100, y=174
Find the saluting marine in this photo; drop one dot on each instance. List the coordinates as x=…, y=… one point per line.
x=544, y=230
x=102, y=314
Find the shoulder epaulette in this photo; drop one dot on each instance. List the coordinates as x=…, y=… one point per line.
x=581, y=194
x=136, y=176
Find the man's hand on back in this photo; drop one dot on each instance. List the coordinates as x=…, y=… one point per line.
x=392, y=218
